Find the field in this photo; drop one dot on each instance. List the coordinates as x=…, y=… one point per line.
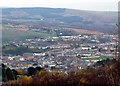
x=10, y=34
x=96, y=58
x=87, y=31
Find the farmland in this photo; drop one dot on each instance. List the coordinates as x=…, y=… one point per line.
x=10, y=34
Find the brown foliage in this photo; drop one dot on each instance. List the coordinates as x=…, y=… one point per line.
x=20, y=71
x=104, y=76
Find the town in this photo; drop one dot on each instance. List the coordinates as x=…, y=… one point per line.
x=61, y=52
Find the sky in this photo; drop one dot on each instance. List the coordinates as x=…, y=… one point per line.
x=96, y=5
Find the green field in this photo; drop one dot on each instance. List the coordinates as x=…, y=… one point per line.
x=97, y=58
x=10, y=34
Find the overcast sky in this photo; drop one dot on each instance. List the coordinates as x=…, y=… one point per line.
x=99, y=5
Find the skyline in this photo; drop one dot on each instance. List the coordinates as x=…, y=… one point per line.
x=95, y=5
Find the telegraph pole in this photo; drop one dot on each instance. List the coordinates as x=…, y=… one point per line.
x=118, y=25
x=118, y=44
x=119, y=40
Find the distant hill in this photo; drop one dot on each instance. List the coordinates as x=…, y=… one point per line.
x=100, y=21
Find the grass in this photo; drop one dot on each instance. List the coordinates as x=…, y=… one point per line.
x=96, y=58
x=14, y=34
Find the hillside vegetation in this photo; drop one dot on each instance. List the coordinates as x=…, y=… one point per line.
x=101, y=21
x=106, y=75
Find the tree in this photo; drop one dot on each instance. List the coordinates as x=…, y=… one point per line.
x=31, y=71
x=39, y=68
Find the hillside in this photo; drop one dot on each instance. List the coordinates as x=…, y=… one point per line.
x=89, y=20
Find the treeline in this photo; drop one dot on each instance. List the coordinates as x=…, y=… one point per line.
x=107, y=75
x=12, y=74
x=14, y=50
